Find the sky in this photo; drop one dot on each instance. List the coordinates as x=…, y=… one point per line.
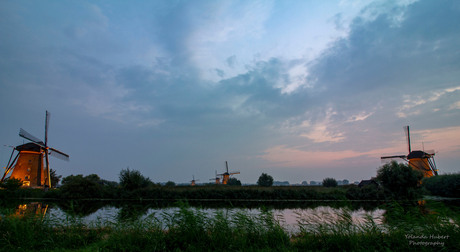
x=300, y=90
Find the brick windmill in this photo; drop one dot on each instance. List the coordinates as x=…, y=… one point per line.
x=226, y=175
x=418, y=159
x=28, y=164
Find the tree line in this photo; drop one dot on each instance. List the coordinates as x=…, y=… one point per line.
x=393, y=181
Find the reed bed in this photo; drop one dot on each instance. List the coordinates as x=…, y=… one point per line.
x=412, y=228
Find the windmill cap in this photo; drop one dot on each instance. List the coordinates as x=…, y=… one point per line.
x=419, y=154
x=29, y=147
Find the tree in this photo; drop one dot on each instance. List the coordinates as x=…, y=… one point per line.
x=54, y=178
x=82, y=187
x=131, y=180
x=329, y=182
x=399, y=180
x=233, y=182
x=265, y=180
x=447, y=185
x=12, y=184
x=170, y=183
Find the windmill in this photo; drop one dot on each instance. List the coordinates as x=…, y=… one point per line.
x=418, y=160
x=29, y=166
x=193, y=181
x=226, y=175
x=217, y=178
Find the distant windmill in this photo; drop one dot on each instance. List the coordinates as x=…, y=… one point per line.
x=217, y=178
x=226, y=175
x=418, y=160
x=193, y=181
x=29, y=166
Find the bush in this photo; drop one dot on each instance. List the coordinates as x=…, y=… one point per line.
x=79, y=187
x=170, y=183
x=233, y=182
x=329, y=182
x=399, y=181
x=132, y=180
x=368, y=192
x=12, y=184
x=443, y=185
x=265, y=180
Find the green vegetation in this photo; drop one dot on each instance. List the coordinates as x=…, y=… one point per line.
x=11, y=184
x=265, y=180
x=443, y=185
x=132, y=180
x=233, y=182
x=170, y=183
x=194, y=230
x=329, y=182
x=400, y=181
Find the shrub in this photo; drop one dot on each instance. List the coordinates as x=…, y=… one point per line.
x=233, y=182
x=78, y=187
x=170, y=183
x=447, y=185
x=329, y=182
x=399, y=181
x=132, y=180
x=12, y=184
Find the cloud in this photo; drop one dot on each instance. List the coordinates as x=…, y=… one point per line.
x=415, y=104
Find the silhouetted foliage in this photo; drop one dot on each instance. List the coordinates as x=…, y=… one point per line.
x=170, y=183
x=447, y=185
x=265, y=180
x=78, y=187
x=54, y=178
x=399, y=181
x=233, y=182
x=368, y=192
x=12, y=184
x=329, y=182
x=132, y=180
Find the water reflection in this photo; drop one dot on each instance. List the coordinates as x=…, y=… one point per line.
x=294, y=216
x=36, y=209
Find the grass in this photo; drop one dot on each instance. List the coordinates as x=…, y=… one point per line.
x=193, y=230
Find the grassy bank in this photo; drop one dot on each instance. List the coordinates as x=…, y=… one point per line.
x=189, y=192
x=406, y=228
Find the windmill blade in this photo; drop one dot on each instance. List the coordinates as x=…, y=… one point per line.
x=232, y=173
x=30, y=137
x=401, y=156
x=406, y=130
x=58, y=154
x=47, y=121
x=47, y=168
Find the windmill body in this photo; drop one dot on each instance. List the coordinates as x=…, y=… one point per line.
x=216, y=179
x=418, y=160
x=31, y=164
x=226, y=175
x=29, y=167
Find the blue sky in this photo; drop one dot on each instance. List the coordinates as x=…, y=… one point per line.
x=301, y=90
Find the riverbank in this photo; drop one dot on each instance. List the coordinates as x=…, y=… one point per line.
x=410, y=228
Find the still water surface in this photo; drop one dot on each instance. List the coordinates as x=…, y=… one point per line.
x=288, y=217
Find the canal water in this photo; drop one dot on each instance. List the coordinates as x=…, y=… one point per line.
x=291, y=218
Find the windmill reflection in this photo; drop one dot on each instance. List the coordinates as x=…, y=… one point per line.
x=33, y=209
